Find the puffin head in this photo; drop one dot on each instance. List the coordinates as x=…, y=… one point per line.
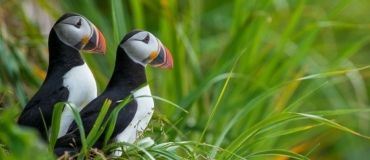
x=144, y=48
x=76, y=31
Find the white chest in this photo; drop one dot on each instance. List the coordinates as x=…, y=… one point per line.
x=82, y=89
x=81, y=85
x=142, y=117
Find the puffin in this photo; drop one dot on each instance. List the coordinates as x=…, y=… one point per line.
x=68, y=77
x=137, y=49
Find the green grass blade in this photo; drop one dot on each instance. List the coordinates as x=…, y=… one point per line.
x=55, y=124
x=167, y=101
x=46, y=127
x=290, y=131
x=312, y=150
x=92, y=137
x=278, y=134
x=295, y=102
x=113, y=118
x=338, y=112
x=163, y=153
x=196, y=93
x=278, y=152
x=332, y=124
x=335, y=73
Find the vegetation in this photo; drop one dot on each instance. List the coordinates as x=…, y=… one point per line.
x=259, y=79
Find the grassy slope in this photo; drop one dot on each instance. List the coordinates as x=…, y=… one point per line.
x=279, y=41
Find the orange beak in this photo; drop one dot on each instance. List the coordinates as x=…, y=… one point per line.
x=96, y=43
x=163, y=59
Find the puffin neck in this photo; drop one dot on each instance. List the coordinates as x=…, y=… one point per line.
x=127, y=74
x=61, y=56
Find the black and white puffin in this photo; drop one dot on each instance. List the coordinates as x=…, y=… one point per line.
x=137, y=49
x=68, y=77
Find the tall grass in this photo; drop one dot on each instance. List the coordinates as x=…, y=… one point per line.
x=300, y=88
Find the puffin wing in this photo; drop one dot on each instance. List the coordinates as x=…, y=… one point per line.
x=31, y=115
x=125, y=116
x=89, y=115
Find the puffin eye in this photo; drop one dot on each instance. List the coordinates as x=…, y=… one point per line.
x=78, y=24
x=146, y=39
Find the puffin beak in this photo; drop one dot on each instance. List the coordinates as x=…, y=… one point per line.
x=96, y=43
x=163, y=58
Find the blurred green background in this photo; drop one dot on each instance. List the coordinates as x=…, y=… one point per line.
x=278, y=41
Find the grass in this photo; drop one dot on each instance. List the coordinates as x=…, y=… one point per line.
x=299, y=90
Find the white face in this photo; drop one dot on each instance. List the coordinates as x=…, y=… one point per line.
x=141, y=46
x=74, y=31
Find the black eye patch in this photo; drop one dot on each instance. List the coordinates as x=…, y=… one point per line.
x=146, y=39
x=78, y=24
